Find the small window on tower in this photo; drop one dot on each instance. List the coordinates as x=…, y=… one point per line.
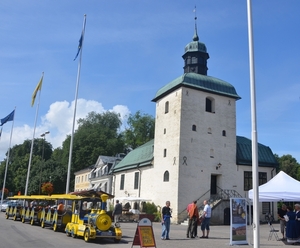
x=194, y=128
x=211, y=153
x=194, y=60
x=165, y=152
x=224, y=133
x=166, y=107
x=166, y=176
x=210, y=105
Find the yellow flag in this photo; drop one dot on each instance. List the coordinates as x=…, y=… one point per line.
x=37, y=88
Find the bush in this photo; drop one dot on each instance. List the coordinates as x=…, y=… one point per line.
x=149, y=208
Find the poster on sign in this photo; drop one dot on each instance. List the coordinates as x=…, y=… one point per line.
x=238, y=221
x=144, y=236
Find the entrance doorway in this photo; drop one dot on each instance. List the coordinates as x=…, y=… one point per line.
x=213, y=185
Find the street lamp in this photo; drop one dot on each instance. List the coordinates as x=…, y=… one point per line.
x=43, y=135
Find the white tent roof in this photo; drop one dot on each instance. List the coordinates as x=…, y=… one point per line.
x=282, y=187
x=132, y=198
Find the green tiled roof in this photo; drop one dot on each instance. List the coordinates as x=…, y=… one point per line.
x=200, y=82
x=244, y=153
x=141, y=156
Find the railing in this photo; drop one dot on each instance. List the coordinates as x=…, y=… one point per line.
x=213, y=200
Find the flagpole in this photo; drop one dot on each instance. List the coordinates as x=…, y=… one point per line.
x=75, y=106
x=254, y=131
x=8, y=154
x=32, y=142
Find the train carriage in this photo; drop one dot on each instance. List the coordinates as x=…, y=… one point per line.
x=15, y=207
x=57, y=218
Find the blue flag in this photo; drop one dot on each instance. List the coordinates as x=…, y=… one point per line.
x=10, y=117
x=79, y=46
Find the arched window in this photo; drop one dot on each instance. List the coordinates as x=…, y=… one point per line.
x=194, y=128
x=224, y=133
x=166, y=107
x=210, y=105
x=166, y=176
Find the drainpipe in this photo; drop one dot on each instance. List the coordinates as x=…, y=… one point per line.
x=140, y=177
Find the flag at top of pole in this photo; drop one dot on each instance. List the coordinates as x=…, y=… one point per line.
x=79, y=45
x=81, y=39
x=79, y=52
x=10, y=117
x=37, y=88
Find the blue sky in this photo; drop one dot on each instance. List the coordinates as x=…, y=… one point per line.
x=134, y=47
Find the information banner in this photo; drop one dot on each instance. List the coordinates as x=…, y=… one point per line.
x=238, y=221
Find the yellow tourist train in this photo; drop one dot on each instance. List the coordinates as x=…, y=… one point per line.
x=79, y=214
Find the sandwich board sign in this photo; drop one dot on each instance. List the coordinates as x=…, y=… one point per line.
x=144, y=236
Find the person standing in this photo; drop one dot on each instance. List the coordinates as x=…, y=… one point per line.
x=281, y=213
x=165, y=221
x=297, y=224
x=193, y=219
x=206, y=219
x=189, y=227
x=117, y=211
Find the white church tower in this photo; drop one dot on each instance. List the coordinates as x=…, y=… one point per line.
x=195, y=135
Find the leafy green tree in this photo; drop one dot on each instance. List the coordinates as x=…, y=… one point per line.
x=289, y=165
x=18, y=166
x=97, y=134
x=140, y=129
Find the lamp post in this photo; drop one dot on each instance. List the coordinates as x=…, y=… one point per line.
x=43, y=135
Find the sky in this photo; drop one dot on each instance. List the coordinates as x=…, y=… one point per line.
x=132, y=48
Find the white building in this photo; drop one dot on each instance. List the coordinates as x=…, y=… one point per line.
x=196, y=153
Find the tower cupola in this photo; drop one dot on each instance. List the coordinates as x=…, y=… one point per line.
x=195, y=55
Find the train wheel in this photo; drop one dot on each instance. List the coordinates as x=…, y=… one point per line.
x=54, y=227
x=43, y=224
x=23, y=220
x=86, y=235
x=15, y=217
x=32, y=221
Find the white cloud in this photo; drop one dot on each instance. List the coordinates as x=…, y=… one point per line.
x=58, y=120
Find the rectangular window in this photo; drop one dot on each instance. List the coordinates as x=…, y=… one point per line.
x=262, y=178
x=165, y=152
x=136, y=180
x=247, y=180
x=122, y=182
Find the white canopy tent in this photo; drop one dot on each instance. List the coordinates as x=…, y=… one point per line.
x=132, y=198
x=282, y=187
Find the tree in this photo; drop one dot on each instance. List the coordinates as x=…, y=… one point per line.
x=18, y=166
x=140, y=130
x=289, y=165
x=97, y=134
